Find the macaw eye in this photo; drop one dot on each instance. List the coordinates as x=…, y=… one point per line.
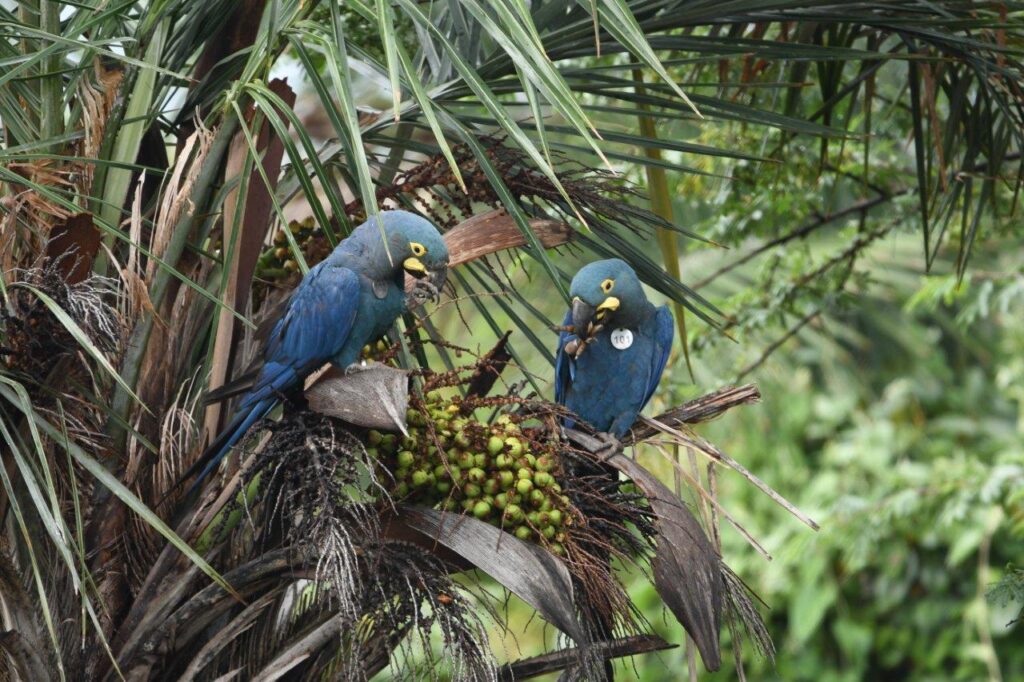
x=607, y=286
x=417, y=248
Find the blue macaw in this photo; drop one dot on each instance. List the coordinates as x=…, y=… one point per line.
x=607, y=368
x=344, y=302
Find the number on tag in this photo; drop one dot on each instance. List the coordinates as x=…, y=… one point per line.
x=622, y=338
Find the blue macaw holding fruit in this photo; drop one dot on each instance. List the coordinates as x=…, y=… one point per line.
x=607, y=367
x=344, y=302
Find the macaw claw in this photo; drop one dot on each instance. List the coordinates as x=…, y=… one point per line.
x=423, y=291
x=361, y=366
x=610, y=446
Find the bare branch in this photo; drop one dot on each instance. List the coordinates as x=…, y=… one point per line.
x=702, y=409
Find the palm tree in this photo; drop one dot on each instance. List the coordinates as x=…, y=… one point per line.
x=152, y=162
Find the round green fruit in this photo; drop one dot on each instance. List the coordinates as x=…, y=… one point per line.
x=514, y=513
x=513, y=446
x=495, y=445
x=506, y=479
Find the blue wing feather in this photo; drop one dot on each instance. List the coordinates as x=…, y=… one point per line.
x=564, y=365
x=315, y=325
x=664, y=332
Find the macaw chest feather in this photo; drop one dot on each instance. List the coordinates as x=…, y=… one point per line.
x=374, y=317
x=610, y=381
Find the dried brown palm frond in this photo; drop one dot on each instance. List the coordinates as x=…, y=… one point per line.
x=42, y=305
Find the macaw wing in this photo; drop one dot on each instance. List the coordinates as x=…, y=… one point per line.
x=315, y=324
x=664, y=332
x=244, y=381
x=565, y=366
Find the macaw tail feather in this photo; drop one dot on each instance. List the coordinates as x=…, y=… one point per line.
x=227, y=439
x=241, y=384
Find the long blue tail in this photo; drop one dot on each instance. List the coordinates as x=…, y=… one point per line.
x=248, y=414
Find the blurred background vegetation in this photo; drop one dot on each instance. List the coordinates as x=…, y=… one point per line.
x=841, y=226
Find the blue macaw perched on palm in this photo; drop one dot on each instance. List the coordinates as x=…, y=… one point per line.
x=344, y=302
x=607, y=368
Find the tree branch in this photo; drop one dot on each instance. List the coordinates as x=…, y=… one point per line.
x=699, y=410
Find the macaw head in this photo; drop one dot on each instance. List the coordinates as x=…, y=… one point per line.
x=603, y=292
x=414, y=246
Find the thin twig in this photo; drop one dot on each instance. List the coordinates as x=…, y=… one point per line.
x=714, y=453
x=707, y=497
x=799, y=233
x=774, y=346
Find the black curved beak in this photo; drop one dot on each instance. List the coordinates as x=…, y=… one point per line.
x=582, y=315
x=438, y=276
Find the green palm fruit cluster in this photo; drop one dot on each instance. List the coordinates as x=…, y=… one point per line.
x=496, y=472
x=278, y=263
x=379, y=351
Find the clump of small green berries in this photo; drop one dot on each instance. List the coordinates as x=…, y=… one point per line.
x=278, y=262
x=494, y=472
x=379, y=351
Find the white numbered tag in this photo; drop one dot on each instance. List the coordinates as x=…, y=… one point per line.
x=622, y=338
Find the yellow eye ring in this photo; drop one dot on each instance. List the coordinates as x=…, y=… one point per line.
x=608, y=285
x=417, y=248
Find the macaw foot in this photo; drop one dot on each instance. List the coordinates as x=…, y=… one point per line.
x=610, y=446
x=422, y=291
x=602, y=445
